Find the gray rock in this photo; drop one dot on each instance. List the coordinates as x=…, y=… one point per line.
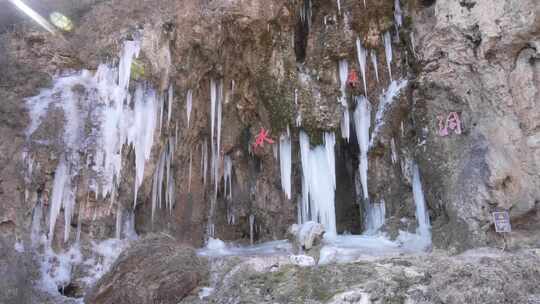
x=156, y=269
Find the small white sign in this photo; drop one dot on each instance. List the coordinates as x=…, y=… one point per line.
x=502, y=222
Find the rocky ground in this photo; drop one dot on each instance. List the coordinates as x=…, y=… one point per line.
x=484, y=275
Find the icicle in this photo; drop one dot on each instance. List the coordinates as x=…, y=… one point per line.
x=176, y=134
x=393, y=151
x=412, y=44
x=345, y=124
x=170, y=101
x=424, y=226
x=213, y=101
x=388, y=52
x=345, y=120
x=362, y=122
x=398, y=15
x=343, y=68
x=251, y=230
x=162, y=105
x=304, y=156
x=118, y=230
x=204, y=161
x=62, y=196
x=318, y=182
x=189, y=174
x=285, y=162
x=375, y=64
x=217, y=156
x=216, y=96
x=275, y=151
x=362, y=55
x=227, y=175
x=339, y=6
x=365, y=4
x=189, y=100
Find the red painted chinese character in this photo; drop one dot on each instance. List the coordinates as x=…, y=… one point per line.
x=261, y=138
x=352, y=79
x=452, y=122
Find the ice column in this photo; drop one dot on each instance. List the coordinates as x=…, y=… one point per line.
x=362, y=122
x=189, y=101
x=388, y=51
x=345, y=120
x=375, y=63
x=285, y=162
x=362, y=55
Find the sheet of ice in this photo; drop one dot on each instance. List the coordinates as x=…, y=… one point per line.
x=205, y=292
x=375, y=217
x=19, y=247
x=361, y=53
x=285, y=162
x=423, y=232
x=349, y=248
x=388, y=51
x=217, y=248
x=56, y=268
x=362, y=122
x=373, y=56
x=302, y=260
x=385, y=101
x=103, y=257
x=318, y=182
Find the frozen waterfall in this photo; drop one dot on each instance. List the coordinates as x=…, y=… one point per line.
x=318, y=182
x=115, y=117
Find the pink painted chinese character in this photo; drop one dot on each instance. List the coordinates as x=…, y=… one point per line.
x=452, y=122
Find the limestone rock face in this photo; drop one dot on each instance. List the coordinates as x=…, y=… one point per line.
x=480, y=60
x=155, y=269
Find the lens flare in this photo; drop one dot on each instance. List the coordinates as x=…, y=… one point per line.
x=34, y=15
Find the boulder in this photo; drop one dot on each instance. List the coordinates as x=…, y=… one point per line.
x=156, y=269
x=307, y=235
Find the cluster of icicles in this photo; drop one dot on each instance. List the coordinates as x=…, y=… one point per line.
x=118, y=118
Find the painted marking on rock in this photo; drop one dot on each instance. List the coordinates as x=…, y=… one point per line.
x=451, y=123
